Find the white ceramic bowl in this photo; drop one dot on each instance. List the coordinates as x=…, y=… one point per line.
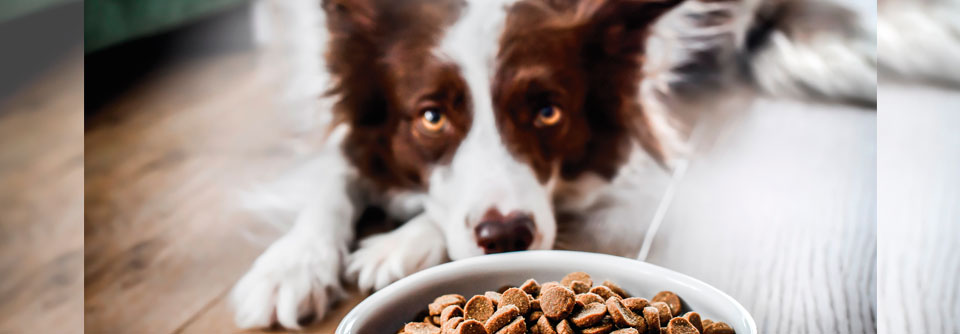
x=387, y=310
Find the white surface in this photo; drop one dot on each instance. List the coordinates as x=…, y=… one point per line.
x=388, y=309
x=778, y=209
x=919, y=210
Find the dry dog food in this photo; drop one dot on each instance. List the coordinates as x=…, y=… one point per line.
x=573, y=305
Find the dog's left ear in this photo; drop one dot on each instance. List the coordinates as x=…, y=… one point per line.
x=620, y=27
x=614, y=35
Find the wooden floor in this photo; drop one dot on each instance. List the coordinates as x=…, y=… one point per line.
x=41, y=203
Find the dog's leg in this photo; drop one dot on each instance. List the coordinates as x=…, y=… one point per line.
x=299, y=274
x=384, y=258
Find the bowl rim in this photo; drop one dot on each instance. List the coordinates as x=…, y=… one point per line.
x=350, y=319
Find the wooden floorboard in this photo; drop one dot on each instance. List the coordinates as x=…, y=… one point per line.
x=165, y=235
x=778, y=210
x=41, y=203
x=919, y=210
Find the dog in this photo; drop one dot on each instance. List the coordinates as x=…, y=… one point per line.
x=477, y=123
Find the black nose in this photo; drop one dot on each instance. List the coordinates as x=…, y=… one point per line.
x=505, y=234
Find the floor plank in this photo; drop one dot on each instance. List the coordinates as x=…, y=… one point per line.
x=41, y=203
x=165, y=236
x=918, y=208
x=778, y=210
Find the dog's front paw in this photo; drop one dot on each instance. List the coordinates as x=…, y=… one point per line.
x=292, y=281
x=382, y=259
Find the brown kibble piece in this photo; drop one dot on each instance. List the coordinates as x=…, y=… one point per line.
x=494, y=296
x=563, y=327
x=651, y=316
x=589, y=315
x=420, y=328
x=694, y=318
x=671, y=299
x=589, y=298
x=615, y=288
x=516, y=297
x=531, y=287
x=636, y=304
x=450, y=325
x=501, y=318
x=517, y=326
x=479, y=308
x=621, y=315
x=706, y=322
x=535, y=305
x=470, y=327
x=681, y=326
x=579, y=287
x=435, y=320
x=626, y=331
x=604, y=292
x=450, y=312
x=442, y=302
x=576, y=276
x=534, y=316
x=603, y=327
x=718, y=328
x=544, y=326
x=664, y=310
x=545, y=285
x=556, y=302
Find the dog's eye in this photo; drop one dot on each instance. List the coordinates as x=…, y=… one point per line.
x=433, y=120
x=548, y=115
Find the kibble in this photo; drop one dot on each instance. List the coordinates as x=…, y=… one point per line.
x=588, y=298
x=451, y=311
x=572, y=305
x=635, y=304
x=516, y=297
x=681, y=326
x=470, y=327
x=420, y=328
x=501, y=318
x=670, y=299
x=589, y=315
x=479, y=308
x=443, y=301
x=557, y=302
x=718, y=328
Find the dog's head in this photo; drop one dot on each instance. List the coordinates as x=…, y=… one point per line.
x=488, y=105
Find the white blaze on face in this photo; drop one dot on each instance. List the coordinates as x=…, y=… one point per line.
x=483, y=174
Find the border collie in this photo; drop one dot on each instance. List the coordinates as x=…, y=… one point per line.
x=477, y=122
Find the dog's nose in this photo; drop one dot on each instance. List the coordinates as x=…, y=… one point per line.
x=499, y=234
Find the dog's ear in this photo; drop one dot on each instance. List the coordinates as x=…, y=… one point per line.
x=619, y=27
x=615, y=32
x=351, y=16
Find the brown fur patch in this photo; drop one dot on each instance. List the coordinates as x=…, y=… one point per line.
x=386, y=77
x=585, y=57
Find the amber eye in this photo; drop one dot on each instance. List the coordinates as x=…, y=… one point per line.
x=433, y=120
x=548, y=115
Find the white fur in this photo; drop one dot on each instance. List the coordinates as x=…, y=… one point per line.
x=300, y=272
x=385, y=258
x=830, y=66
x=920, y=39
x=483, y=174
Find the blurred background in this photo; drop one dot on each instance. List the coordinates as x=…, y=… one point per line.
x=138, y=122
